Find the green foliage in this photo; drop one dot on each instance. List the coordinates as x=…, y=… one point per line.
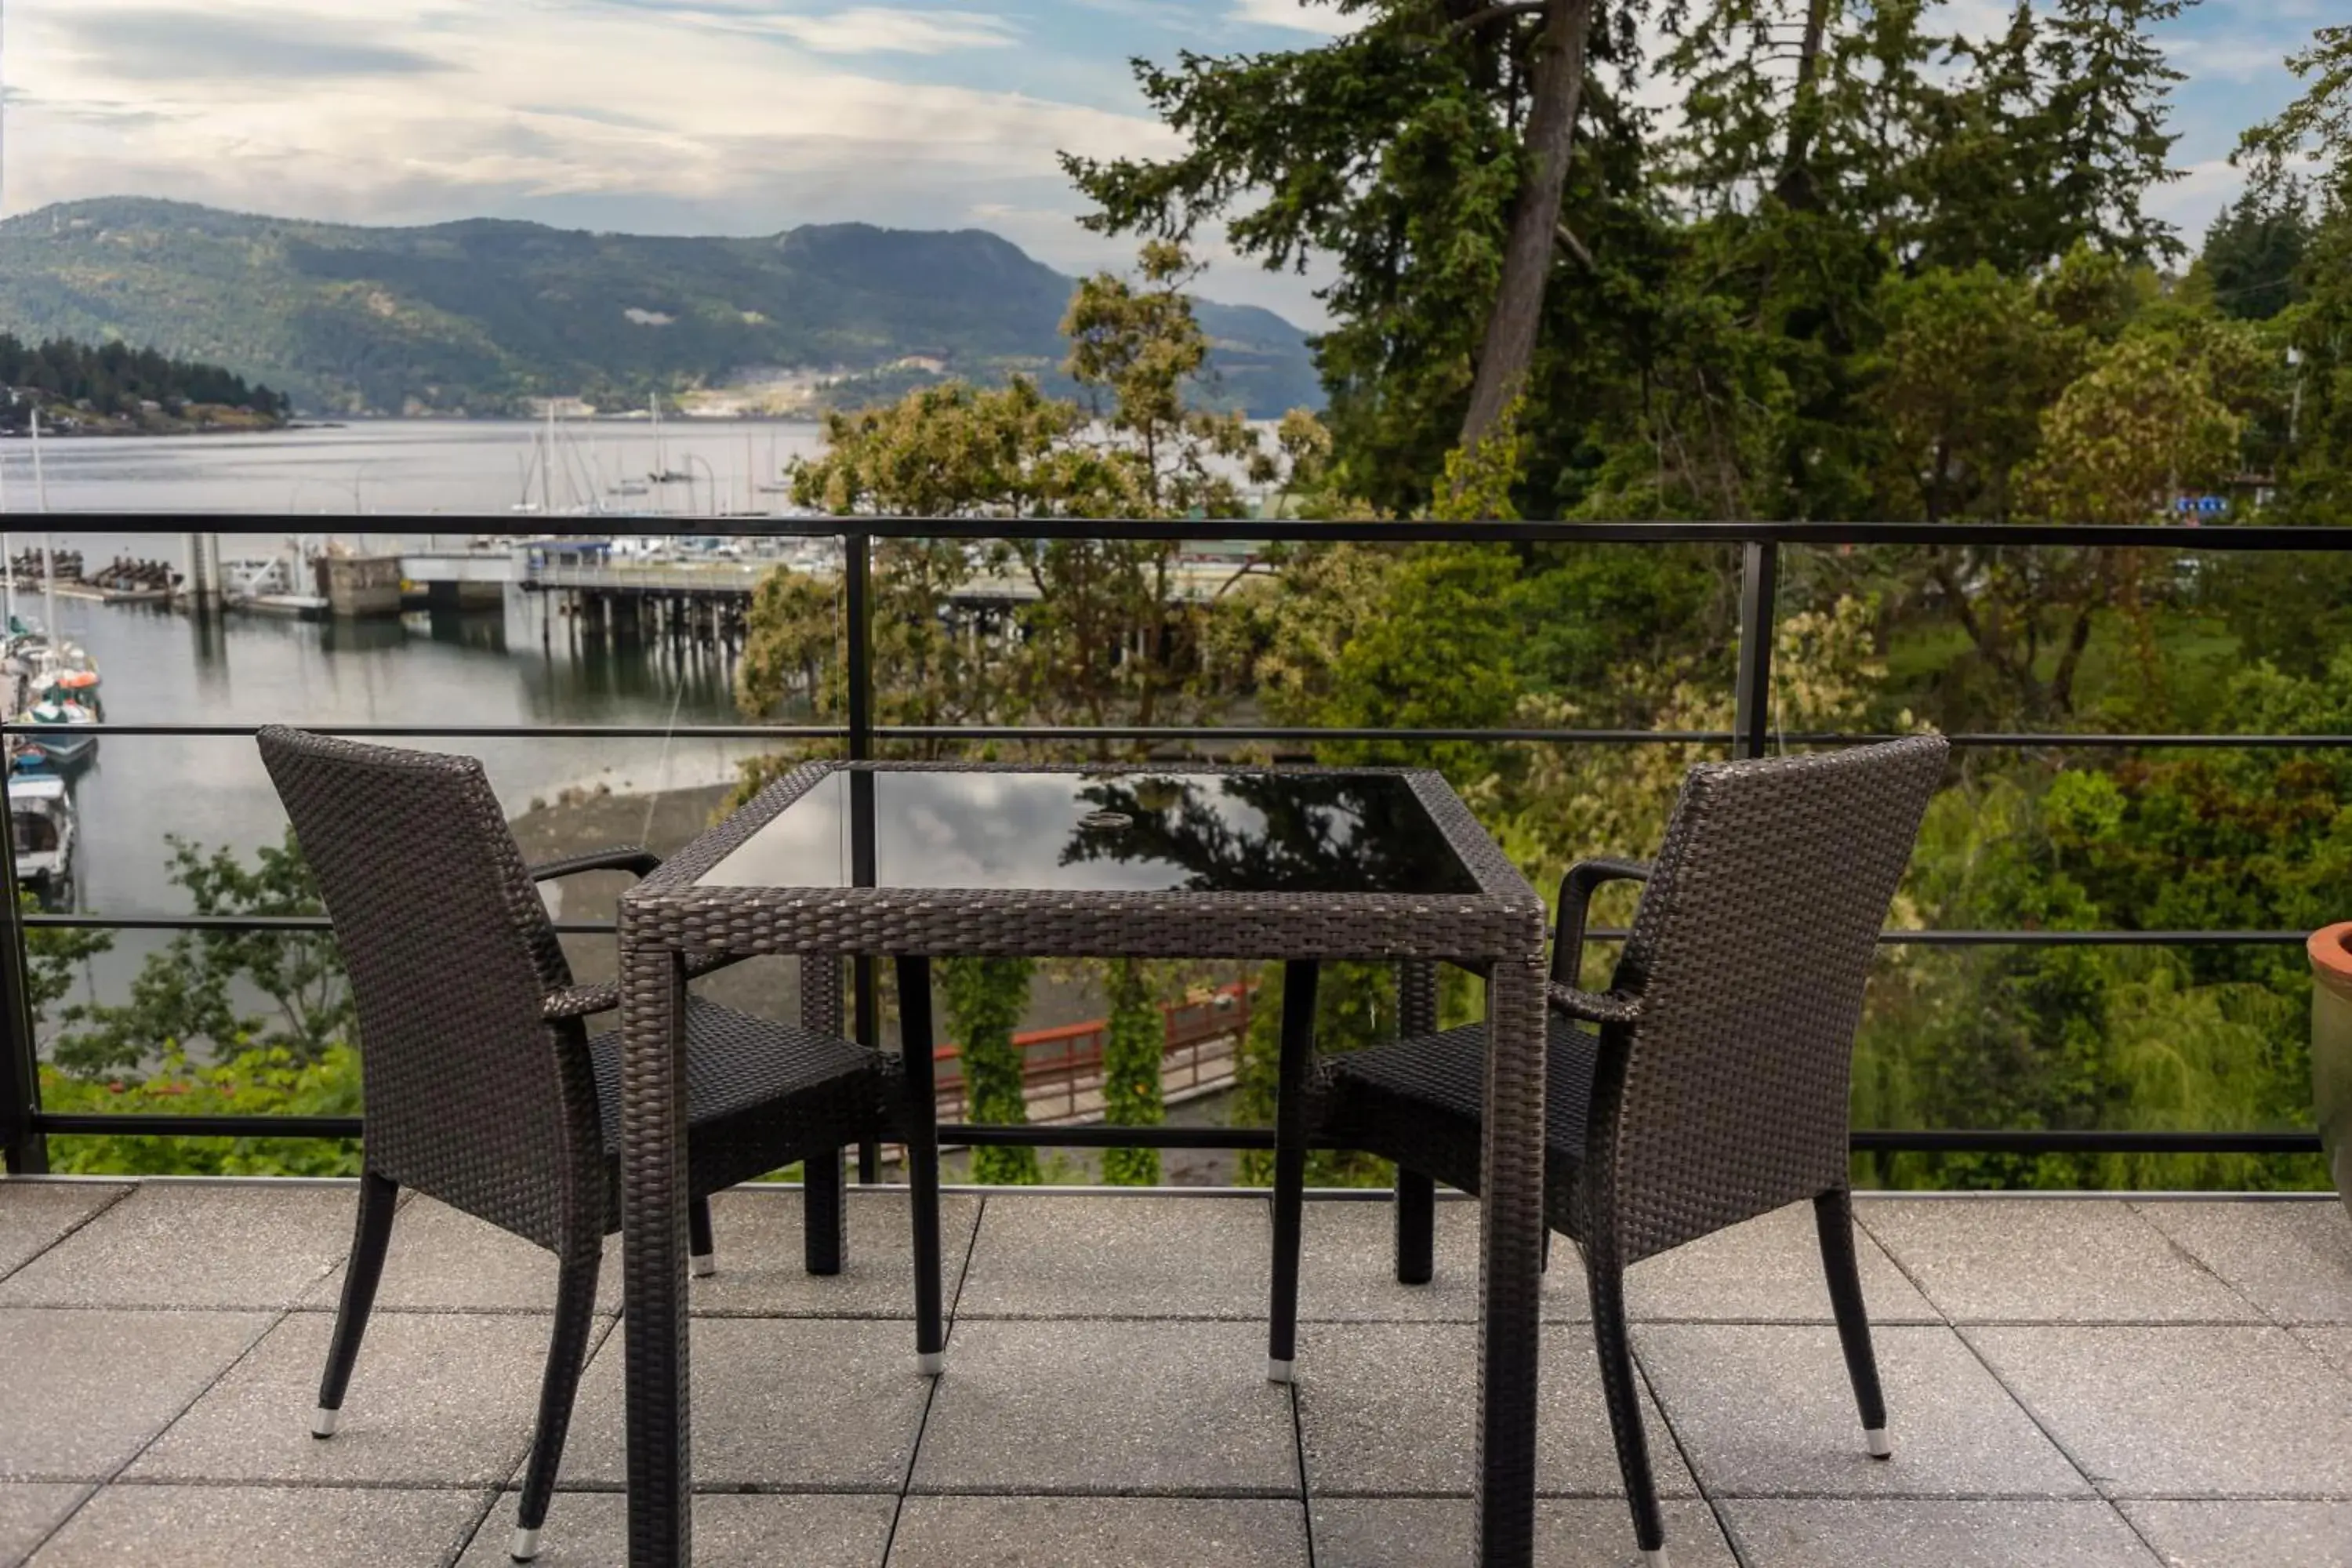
x=2254, y=250
x=1132, y=1049
x=182, y=995
x=983, y=1000
x=261, y=1081
x=479, y=317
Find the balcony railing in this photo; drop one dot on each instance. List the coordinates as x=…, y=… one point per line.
x=25, y=1125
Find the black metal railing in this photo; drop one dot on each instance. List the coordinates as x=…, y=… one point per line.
x=25, y=1125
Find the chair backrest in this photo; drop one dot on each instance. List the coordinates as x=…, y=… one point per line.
x=470, y=1095
x=1750, y=952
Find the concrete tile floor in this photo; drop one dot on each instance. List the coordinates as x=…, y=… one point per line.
x=2100, y=1382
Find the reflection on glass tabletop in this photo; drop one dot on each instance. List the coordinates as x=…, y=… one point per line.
x=1125, y=832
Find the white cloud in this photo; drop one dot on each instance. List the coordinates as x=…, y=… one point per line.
x=531, y=104
x=1304, y=16
x=870, y=29
x=2240, y=58
x=2191, y=202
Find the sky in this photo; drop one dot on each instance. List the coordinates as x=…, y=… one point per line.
x=742, y=116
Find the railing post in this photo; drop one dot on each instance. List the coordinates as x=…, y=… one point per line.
x=857, y=615
x=22, y=1144
x=1760, y=581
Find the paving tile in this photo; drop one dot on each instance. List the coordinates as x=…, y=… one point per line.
x=2247, y=1534
x=2184, y=1412
x=236, y=1245
x=1346, y=1270
x=30, y=1511
x=1766, y=1410
x=1132, y=1532
x=1570, y=1533
x=2021, y=1261
x=436, y=1399
x=34, y=1214
x=84, y=1391
x=1844, y=1533
x=1048, y=1256
x=265, y=1527
x=731, y=1530
x=762, y=1267
x=1135, y=1407
x=1392, y=1408
x=791, y=1404
x=2335, y=1344
x=2293, y=1259
x=1766, y=1270
x=443, y=1259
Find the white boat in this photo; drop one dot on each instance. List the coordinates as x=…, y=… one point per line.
x=41, y=821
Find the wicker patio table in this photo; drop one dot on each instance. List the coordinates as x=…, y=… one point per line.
x=912, y=861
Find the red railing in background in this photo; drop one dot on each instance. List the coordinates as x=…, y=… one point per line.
x=1061, y=1068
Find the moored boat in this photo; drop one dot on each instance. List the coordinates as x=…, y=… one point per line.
x=69, y=737
x=41, y=823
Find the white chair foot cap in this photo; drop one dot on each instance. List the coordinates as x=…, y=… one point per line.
x=1277, y=1370
x=930, y=1363
x=323, y=1422
x=702, y=1264
x=525, y=1545
x=1654, y=1559
x=1875, y=1437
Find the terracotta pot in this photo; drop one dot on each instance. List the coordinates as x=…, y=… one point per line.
x=2331, y=1048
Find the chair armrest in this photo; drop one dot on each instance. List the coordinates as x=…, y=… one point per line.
x=633, y=858
x=1576, y=891
x=581, y=1001
x=1593, y=1006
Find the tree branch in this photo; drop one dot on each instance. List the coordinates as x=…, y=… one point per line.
x=1479, y=19
x=1573, y=245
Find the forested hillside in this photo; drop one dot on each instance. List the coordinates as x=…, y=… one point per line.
x=479, y=317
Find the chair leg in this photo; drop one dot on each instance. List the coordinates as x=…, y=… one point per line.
x=370, y=1236
x=567, y=1350
x=1622, y=1388
x=701, y=1255
x=825, y=1217
x=1833, y=1217
x=1416, y=1227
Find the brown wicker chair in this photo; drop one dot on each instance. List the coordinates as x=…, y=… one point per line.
x=1715, y=1087
x=483, y=1087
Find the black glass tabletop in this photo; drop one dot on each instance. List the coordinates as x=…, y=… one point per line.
x=1241, y=832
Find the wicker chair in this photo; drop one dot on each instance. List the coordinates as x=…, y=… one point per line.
x=1714, y=1089
x=483, y=1087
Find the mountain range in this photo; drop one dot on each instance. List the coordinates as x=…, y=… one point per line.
x=484, y=316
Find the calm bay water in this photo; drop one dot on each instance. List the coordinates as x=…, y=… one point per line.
x=415, y=466
x=516, y=666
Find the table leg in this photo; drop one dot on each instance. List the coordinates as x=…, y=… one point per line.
x=1511, y=1231
x=922, y=1158
x=1298, y=979
x=654, y=1248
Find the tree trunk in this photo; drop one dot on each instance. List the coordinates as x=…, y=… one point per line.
x=1795, y=186
x=1510, y=342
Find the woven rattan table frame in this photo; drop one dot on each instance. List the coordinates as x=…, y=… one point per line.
x=1498, y=929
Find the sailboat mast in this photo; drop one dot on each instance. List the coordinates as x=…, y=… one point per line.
x=48, y=560
x=7, y=543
